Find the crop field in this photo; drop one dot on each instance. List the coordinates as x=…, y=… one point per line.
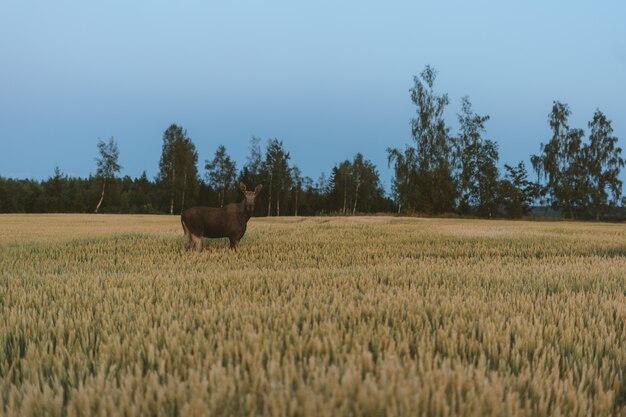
x=107, y=315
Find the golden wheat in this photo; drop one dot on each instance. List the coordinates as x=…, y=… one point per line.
x=107, y=315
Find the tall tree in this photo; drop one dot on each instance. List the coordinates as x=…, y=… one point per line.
x=472, y=158
x=560, y=163
x=167, y=164
x=603, y=162
x=434, y=146
x=178, y=165
x=427, y=167
x=357, y=171
x=296, y=181
x=369, y=195
x=107, y=164
x=403, y=187
x=277, y=170
x=487, y=179
x=188, y=161
x=221, y=173
x=341, y=184
x=252, y=169
x=355, y=187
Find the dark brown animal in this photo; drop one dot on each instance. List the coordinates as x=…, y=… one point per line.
x=229, y=221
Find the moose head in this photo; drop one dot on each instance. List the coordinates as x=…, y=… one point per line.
x=249, y=196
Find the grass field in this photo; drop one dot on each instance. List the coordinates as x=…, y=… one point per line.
x=377, y=316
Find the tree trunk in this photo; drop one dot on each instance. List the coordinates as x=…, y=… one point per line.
x=278, y=204
x=269, y=204
x=172, y=193
x=356, y=197
x=104, y=183
x=296, y=213
x=182, y=203
x=345, y=193
x=222, y=196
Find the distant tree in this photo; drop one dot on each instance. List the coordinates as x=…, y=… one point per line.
x=296, y=181
x=54, y=192
x=354, y=186
x=178, y=165
x=560, y=164
x=487, y=178
x=320, y=191
x=403, y=186
x=309, y=199
x=142, y=198
x=340, y=184
x=426, y=170
x=472, y=159
x=602, y=165
x=252, y=170
x=21, y=196
x=167, y=164
x=107, y=164
x=369, y=195
x=322, y=184
x=221, y=173
x=516, y=192
x=357, y=172
x=276, y=169
x=189, y=164
x=10, y=193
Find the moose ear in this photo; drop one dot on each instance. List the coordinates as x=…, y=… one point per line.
x=258, y=189
x=242, y=186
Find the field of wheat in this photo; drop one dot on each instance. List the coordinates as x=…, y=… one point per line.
x=375, y=316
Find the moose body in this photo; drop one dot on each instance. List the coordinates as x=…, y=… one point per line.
x=229, y=221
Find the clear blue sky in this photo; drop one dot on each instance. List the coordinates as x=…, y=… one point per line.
x=329, y=78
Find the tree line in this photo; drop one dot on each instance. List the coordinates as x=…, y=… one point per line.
x=439, y=172
x=353, y=186
x=443, y=172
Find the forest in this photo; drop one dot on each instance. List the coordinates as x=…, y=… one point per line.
x=440, y=173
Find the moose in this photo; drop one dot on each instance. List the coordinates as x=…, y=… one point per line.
x=229, y=221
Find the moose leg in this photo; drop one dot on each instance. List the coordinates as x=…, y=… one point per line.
x=233, y=244
x=187, y=241
x=196, y=242
x=187, y=238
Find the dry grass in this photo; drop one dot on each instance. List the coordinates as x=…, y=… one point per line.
x=107, y=315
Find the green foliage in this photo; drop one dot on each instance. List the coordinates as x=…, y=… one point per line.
x=277, y=173
x=354, y=187
x=516, y=192
x=221, y=174
x=107, y=161
x=602, y=162
x=178, y=167
x=423, y=180
x=561, y=163
x=487, y=179
x=477, y=168
x=107, y=165
x=436, y=191
x=438, y=173
x=582, y=179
